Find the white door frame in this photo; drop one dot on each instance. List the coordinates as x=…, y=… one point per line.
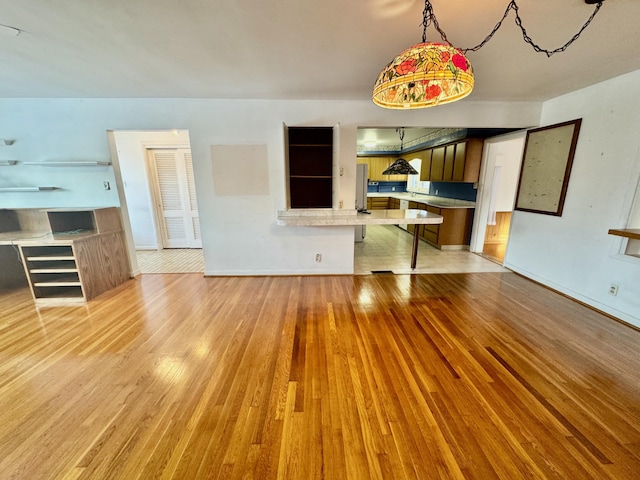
x=485, y=188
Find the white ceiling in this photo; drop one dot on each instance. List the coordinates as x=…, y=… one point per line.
x=309, y=49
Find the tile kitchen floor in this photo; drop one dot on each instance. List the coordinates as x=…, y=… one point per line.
x=388, y=248
x=385, y=248
x=171, y=260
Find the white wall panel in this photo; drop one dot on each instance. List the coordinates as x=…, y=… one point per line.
x=573, y=253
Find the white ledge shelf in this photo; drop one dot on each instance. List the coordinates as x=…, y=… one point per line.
x=70, y=163
x=27, y=189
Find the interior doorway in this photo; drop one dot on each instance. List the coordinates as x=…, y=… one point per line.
x=139, y=190
x=496, y=195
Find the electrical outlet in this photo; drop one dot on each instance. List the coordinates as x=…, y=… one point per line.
x=340, y=204
x=613, y=289
x=318, y=257
x=436, y=192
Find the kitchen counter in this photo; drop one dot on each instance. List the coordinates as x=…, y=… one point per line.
x=318, y=218
x=339, y=217
x=440, y=202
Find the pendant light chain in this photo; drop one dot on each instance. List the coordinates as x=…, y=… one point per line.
x=428, y=18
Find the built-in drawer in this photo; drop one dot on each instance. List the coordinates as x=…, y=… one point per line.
x=430, y=236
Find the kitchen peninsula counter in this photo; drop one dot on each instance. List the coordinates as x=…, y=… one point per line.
x=316, y=218
x=319, y=218
x=440, y=202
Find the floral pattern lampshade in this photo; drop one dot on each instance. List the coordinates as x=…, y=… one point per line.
x=424, y=75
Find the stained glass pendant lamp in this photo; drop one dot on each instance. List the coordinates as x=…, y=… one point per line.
x=432, y=73
x=400, y=166
x=424, y=75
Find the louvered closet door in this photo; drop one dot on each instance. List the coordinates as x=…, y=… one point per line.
x=176, y=198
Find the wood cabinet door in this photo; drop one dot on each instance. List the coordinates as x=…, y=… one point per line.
x=437, y=164
x=459, y=161
x=473, y=158
x=449, y=161
x=425, y=169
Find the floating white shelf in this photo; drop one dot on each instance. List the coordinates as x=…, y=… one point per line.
x=70, y=163
x=4, y=163
x=27, y=189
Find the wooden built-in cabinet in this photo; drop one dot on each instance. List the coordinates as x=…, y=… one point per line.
x=310, y=167
x=453, y=232
x=379, y=203
x=83, y=256
x=377, y=165
x=456, y=162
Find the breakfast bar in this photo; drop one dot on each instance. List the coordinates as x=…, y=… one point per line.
x=317, y=218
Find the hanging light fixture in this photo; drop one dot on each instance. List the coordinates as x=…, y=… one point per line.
x=400, y=166
x=432, y=73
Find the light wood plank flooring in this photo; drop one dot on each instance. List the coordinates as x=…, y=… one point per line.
x=475, y=376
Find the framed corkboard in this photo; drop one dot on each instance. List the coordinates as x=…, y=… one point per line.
x=546, y=167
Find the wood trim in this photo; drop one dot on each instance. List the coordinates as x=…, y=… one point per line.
x=633, y=233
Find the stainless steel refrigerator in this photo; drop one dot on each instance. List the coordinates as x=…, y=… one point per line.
x=362, y=179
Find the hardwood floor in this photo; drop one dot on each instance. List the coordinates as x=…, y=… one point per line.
x=483, y=375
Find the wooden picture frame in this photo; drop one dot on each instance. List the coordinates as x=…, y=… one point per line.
x=546, y=167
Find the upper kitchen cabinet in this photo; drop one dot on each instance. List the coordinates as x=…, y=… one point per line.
x=377, y=165
x=468, y=156
x=310, y=166
x=456, y=162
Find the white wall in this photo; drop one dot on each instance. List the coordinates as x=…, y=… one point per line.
x=573, y=253
x=239, y=233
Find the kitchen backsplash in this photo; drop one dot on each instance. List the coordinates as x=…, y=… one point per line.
x=458, y=190
x=374, y=187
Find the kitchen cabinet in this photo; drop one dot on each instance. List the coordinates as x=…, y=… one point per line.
x=378, y=203
x=425, y=168
x=437, y=164
x=310, y=167
x=394, y=203
x=456, y=162
x=467, y=161
x=453, y=233
x=377, y=165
